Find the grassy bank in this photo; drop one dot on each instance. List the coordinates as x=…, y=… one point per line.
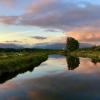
x=13, y=63
x=93, y=54
x=16, y=61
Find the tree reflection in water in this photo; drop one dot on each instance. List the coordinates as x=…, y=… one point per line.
x=73, y=62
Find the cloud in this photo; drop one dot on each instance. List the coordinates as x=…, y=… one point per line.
x=86, y=34
x=8, y=19
x=14, y=41
x=7, y=3
x=54, y=14
x=52, y=30
x=78, y=19
x=37, y=6
x=62, y=15
x=39, y=37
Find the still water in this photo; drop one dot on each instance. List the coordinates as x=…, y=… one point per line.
x=58, y=78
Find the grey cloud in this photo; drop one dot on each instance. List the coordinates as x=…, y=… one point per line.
x=52, y=30
x=8, y=19
x=39, y=37
x=7, y=3
x=59, y=15
x=14, y=41
x=64, y=16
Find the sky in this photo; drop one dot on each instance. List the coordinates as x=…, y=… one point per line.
x=33, y=22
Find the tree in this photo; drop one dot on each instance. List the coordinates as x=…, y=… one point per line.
x=72, y=44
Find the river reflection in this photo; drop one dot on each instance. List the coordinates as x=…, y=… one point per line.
x=4, y=76
x=52, y=80
x=71, y=62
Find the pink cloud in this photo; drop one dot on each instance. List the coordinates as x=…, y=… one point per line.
x=37, y=6
x=86, y=34
x=8, y=19
x=7, y=3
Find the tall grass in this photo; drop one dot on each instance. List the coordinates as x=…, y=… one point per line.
x=23, y=60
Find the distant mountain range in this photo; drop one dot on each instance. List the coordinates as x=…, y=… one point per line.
x=10, y=45
x=59, y=45
x=50, y=46
x=43, y=46
x=86, y=45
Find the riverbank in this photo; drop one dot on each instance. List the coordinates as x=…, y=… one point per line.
x=94, y=55
x=10, y=62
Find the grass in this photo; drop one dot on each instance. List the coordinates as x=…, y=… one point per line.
x=88, y=53
x=17, y=61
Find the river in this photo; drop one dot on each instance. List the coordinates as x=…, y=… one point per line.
x=58, y=78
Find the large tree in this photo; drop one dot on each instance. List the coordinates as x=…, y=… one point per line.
x=72, y=44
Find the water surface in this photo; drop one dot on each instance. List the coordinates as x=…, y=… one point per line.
x=58, y=78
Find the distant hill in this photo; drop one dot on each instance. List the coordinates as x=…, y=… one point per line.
x=42, y=45
x=59, y=45
x=85, y=45
x=50, y=46
x=10, y=45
